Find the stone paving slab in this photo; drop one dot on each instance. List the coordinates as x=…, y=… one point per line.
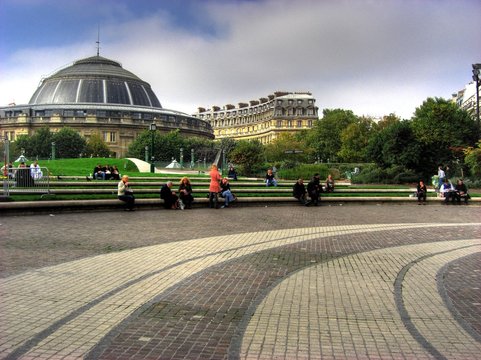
x=205, y=292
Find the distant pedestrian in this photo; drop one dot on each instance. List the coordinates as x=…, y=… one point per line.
x=441, y=176
x=214, y=187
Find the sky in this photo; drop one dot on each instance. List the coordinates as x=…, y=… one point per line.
x=374, y=57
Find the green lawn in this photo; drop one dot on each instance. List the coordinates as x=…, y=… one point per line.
x=84, y=167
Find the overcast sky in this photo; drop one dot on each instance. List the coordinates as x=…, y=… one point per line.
x=374, y=57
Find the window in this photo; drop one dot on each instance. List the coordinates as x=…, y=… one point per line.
x=110, y=136
x=299, y=123
x=279, y=123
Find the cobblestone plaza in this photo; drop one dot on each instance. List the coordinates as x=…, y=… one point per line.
x=286, y=282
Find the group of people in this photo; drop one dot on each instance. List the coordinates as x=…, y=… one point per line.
x=182, y=198
x=447, y=190
x=24, y=176
x=313, y=191
x=106, y=172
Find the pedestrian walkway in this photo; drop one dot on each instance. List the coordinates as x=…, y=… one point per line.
x=380, y=290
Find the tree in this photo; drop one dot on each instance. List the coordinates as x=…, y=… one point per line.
x=248, y=156
x=69, y=143
x=39, y=144
x=354, y=139
x=441, y=124
x=97, y=147
x=276, y=150
x=473, y=160
x=396, y=145
x=325, y=136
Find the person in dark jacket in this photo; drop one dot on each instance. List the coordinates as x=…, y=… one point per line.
x=170, y=198
x=421, y=192
x=299, y=192
x=461, y=192
x=314, y=189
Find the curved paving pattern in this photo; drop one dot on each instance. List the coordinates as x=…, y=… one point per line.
x=91, y=306
x=331, y=310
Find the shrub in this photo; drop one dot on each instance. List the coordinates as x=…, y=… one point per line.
x=306, y=171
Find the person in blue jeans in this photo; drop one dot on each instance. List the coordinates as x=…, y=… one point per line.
x=270, y=178
x=226, y=193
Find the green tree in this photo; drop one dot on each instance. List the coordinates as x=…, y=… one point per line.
x=68, y=143
x=473, y=160
x=325, y=136
x=248, y=156
x=37, y=145
x=276, y=151
x=354, y=139
x=440, y=124
x=97, y=147
x=397, y=145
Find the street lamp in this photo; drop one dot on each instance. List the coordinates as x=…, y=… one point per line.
x=152, y=128
x=181, y=157
x=476, y=73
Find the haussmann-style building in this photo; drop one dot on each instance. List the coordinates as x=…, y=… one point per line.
x=262, y=119
x=97, y=95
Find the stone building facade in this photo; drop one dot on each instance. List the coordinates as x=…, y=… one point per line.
x=96, y=95
x=262, y=119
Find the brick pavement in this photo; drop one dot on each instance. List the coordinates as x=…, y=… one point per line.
x=278, y=282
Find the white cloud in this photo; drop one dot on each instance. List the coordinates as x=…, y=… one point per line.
x=374, y=57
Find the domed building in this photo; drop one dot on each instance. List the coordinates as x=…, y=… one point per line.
x=97, y=95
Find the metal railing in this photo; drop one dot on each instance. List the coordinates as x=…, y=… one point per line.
x=24, y=180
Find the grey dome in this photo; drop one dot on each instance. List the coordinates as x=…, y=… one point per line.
x=95, y=80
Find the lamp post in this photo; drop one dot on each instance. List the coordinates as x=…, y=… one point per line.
x=223, y=161
x=476, y=73
x=152, y=128
x=181, y=157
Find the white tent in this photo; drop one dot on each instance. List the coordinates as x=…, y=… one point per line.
x=173, y=165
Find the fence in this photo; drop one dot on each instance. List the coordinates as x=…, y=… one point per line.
x=24, y=180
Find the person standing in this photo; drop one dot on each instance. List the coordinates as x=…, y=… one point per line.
x=125, y=194
x=441, y=176
x=214, y=187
